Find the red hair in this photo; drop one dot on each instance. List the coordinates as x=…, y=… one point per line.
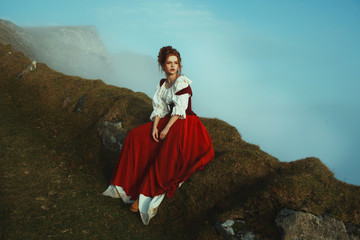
x=166, y=52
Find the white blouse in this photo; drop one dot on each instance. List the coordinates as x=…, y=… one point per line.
x=165, y=96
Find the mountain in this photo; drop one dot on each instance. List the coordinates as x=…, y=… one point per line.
x=79, y=51
x=74, y=50
x=14, y=35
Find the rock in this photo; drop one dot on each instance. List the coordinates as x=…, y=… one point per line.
x=225, y=230
x=79, y=106
x=353, y=237
x=300, y=225
x=30, y=67
x=66, y=101
x=248, y=236
x=227, y=227
x=234, y=230
x=353, y=231
x=112, y=135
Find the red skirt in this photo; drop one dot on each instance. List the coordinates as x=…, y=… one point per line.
x=150, y=168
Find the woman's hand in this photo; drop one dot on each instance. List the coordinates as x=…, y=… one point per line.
x=164, y=132
x=155, y=134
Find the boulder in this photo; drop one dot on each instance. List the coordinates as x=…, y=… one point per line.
x=301, y=226
x=112, y=135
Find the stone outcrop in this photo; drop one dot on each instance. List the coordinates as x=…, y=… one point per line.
x=112, y=135
x=303, y=226
x=234, y=230
x=293, y=225
x=80, y=104
x=30, y=67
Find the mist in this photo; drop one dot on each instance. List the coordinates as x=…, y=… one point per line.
x=285, y=74
x=288, y=122
x=135, y=71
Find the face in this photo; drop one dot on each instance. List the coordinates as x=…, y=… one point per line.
x=171, y=65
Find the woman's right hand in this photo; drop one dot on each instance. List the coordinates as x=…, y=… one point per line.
x=155, y=134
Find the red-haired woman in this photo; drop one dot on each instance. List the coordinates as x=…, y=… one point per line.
x=160, y=155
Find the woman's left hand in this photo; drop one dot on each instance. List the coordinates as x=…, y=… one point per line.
x=164, y=132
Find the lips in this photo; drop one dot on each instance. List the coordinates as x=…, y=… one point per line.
x=172, y=70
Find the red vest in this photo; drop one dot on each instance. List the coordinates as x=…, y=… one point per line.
x=180, y=92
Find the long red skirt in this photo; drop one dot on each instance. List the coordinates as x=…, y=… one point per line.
x=151, y=169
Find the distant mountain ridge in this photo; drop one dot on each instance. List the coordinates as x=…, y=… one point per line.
x=14, y=35
x=79, y=51
x=73, y=50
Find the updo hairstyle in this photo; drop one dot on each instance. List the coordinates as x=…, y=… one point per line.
x=164, y=53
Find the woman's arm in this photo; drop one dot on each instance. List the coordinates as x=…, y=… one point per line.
x=165, y=131
x=155, y=132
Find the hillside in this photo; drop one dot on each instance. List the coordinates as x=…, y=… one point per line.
x=54, y=168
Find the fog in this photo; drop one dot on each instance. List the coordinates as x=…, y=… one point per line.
x=289, y=122
x=284, y=73
x=73, y=50
x=288, y=119
x=287, y=115
x=135, y=71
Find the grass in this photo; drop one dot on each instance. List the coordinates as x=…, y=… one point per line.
x=54, y=168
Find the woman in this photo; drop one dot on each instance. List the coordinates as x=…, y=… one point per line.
x=160, y=155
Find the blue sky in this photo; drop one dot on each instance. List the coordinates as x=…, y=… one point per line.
x=284, y=73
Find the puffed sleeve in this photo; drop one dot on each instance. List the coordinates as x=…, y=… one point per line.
x=181, y=101
x=159, y=106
